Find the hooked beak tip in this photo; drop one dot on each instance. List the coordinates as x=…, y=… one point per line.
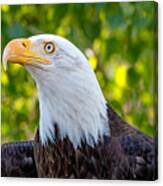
x=4, y=59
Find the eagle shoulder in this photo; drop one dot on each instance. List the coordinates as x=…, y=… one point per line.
x=140, y=149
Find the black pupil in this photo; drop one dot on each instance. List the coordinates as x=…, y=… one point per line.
x=49, y=47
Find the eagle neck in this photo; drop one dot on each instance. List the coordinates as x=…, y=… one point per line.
x=75, y=105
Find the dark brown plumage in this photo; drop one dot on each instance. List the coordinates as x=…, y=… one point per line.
x=17, y=160
x=104, y=161
x=128, y=154
x=141, y=150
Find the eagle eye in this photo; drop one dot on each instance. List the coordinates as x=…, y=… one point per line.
x=49, y=48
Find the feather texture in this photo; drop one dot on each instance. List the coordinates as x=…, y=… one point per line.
x=17, y=160
x=128, y=154
x=141, y=150
x=105, y=161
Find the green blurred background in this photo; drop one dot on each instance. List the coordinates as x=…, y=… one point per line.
x=119, y=40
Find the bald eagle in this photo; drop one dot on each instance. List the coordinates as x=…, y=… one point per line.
x=79, y=134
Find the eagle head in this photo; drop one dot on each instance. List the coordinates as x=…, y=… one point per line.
x=69, y=94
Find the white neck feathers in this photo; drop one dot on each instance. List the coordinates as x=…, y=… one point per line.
x=76, y=105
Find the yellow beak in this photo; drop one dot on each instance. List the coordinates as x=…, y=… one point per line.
x=18, y=51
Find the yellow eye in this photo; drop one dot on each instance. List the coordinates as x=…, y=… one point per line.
x=49, y=48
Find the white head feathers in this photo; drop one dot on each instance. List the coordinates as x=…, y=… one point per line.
x=69, y=94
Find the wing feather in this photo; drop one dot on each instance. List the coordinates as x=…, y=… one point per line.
x=17, y=159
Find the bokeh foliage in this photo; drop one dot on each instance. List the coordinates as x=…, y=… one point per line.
x=119, y=39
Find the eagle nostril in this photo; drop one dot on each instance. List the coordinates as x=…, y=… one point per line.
x=24, y=44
